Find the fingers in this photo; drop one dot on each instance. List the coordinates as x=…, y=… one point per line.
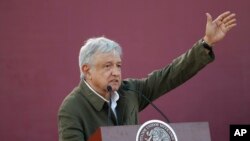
x=209, y=18
x=229, y=27
x=229, y=18
x=226, y=18
x=228, y=23
x=223, y=16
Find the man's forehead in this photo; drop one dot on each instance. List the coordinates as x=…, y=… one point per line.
x=107, y=57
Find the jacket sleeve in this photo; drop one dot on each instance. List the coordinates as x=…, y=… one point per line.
x=69, y=124
x=179, y=71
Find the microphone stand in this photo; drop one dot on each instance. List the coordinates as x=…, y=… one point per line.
x=109, y=88
x=151, y=103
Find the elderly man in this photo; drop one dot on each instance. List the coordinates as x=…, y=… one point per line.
x=104, y=99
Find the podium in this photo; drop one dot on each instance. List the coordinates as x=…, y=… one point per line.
x=189, y=131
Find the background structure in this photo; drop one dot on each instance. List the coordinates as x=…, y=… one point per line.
x=40, y=42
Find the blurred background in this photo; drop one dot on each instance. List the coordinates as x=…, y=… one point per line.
x=40, y=42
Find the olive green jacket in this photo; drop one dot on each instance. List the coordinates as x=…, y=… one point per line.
x=82, y=111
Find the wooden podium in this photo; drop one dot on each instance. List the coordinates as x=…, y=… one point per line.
x=190, y=131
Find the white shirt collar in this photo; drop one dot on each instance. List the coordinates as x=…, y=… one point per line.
x=114, y=97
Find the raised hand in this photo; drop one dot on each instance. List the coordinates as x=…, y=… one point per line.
x=216, y=30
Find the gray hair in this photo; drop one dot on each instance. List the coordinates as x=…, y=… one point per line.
x=94, y=45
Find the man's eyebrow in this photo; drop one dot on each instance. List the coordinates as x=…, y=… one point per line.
x=112, y=62
x=108, y=62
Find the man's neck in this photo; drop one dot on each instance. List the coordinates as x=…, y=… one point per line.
x=102, y=93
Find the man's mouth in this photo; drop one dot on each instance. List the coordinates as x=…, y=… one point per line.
x=114, y=81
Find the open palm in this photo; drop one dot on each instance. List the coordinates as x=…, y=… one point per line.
x=216, y=30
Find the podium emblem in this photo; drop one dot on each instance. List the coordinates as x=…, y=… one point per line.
x=156, y=130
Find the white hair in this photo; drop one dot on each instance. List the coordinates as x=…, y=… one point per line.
x=94, y=45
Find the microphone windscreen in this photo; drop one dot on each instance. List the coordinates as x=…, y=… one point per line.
x=109, y=88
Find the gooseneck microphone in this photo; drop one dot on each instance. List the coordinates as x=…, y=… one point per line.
x=109, y=88
x=149, y=101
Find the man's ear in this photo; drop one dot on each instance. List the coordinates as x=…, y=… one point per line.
x=86, y=71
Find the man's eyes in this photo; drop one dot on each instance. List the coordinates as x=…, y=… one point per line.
x=119, y=65
x=107, y=66
x=110, y=65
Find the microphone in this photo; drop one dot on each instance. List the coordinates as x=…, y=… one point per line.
x=149, y=101
x=109, y=88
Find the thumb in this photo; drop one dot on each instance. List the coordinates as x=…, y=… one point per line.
x=209, y=18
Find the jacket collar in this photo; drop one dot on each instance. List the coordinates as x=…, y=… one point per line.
x=96, y=101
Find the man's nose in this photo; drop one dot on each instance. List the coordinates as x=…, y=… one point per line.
x=116, y=71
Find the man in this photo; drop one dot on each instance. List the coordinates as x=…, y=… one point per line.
x=88, y=106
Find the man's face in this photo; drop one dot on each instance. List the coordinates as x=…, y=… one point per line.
x=105, y=70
